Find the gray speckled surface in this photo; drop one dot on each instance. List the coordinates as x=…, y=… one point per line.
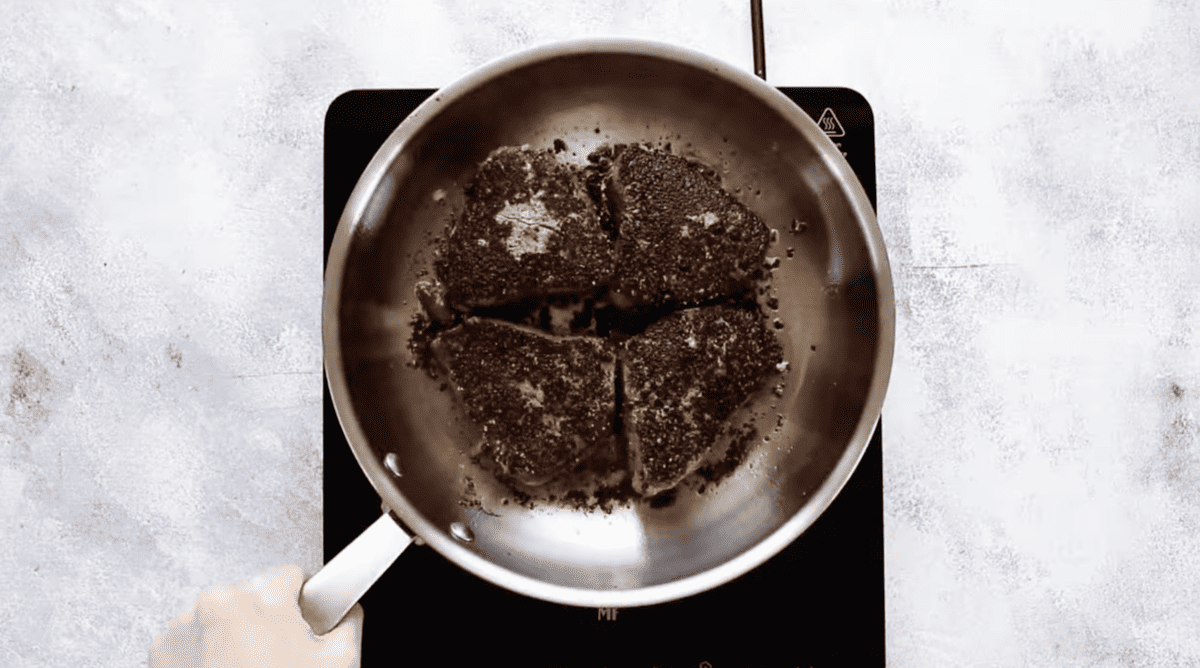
x=160, y=289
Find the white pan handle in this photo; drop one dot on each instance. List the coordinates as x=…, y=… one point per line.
x=327, y=596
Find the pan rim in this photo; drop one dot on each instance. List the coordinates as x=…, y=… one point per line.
x=372, y=180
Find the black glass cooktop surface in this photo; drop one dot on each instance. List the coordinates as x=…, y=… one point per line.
x=817, y=603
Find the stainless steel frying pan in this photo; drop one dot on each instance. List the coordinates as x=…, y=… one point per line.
x=835, y=300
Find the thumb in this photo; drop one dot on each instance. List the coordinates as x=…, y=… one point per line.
x=280, y=587
x=343, y=644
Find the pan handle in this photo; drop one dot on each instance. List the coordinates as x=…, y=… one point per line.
x=327, y=596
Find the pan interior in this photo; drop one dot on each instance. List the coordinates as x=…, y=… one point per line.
x=829, y=305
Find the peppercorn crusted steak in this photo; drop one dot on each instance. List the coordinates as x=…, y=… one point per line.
x=542, y=403
x=644, y=232
x=681, y=237
x=684, y=377
x=528, y=228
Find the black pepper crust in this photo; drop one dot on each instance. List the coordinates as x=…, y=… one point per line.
x=681, y=237
x=528, y=228
x=683, y=379
x=640, y=245
x=543, y=403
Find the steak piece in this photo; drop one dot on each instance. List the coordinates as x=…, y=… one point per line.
x=684, y=377
x=542, y=403
x=528, y=228
x=681, y=238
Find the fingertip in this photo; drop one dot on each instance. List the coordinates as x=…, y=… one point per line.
x=352, y=623
x=211, y=601
x=279, y=586
x=344, y=641
x=292, y=576
x=355, y=616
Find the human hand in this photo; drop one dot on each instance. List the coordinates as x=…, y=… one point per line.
x=257, y=624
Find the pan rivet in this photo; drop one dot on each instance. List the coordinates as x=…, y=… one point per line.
x=462, y=532
x=392, y=462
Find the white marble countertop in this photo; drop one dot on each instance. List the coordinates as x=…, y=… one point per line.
x=160, y=291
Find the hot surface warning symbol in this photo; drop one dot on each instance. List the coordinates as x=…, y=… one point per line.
x=830, y=124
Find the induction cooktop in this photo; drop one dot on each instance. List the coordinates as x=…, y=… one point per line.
x=819, y=602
